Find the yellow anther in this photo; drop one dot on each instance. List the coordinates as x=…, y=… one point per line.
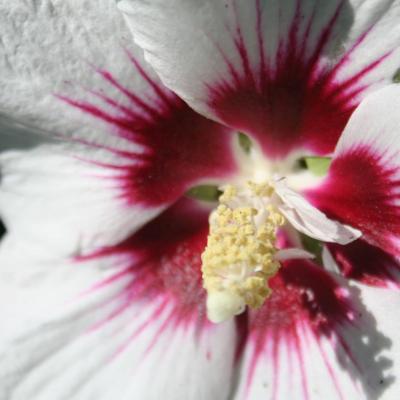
x=229, y=194
x=275, y=216
x=239, y=258
x=261, y=189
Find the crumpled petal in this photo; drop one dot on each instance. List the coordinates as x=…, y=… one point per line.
x=52, y=47
x=309, y=220
x=294, y=252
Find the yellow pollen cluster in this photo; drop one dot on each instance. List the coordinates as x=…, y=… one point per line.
x=239, y=257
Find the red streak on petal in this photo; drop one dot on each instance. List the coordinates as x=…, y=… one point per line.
x=331, y=371
x=363, y=192
x=162, y=267
x=297, y=350
x=299, y=102
x=178, y=147
x=303, y=296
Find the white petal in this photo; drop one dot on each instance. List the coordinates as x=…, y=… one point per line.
x=253, y=64
x=50, y=198
x=52, y=47
x=309, y=220
x=101, y=344
x=329, y=262
x=375, y=123
x=293, y=253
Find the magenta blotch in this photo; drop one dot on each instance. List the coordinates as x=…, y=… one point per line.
x=300, y=101
x=179, y=146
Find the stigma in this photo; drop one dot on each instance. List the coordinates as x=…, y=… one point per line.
x=239, y=258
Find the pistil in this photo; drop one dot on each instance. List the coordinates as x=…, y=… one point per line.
x=240, y=255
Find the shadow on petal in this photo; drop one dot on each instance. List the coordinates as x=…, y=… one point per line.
x=316, y=328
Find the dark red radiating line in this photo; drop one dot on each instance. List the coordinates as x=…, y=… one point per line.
x=297, y=106
x=131, y=96
x=155, y=86
x=162, y=265
x=176, y=146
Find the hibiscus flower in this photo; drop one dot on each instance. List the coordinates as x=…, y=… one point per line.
x=218, y=219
